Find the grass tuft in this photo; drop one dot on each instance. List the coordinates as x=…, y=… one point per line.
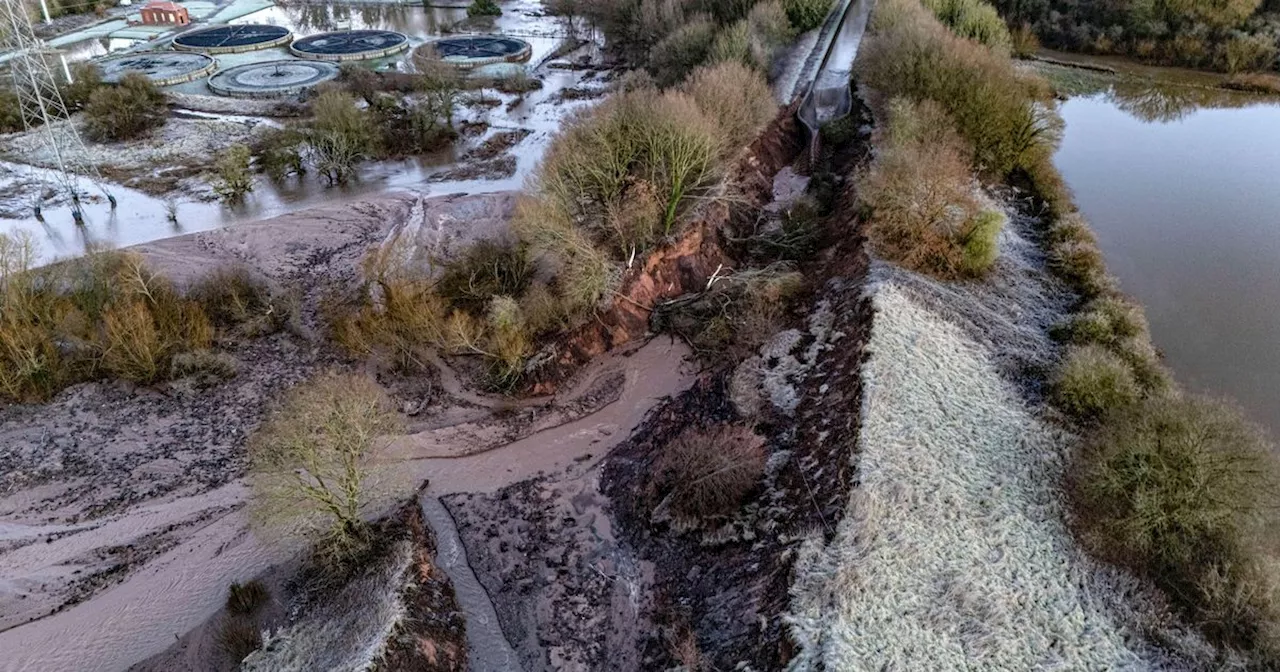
x=238, y=637
x=1094, y=381
x=245, y=599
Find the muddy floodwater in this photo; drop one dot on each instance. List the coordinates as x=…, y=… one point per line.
x=1183, y=191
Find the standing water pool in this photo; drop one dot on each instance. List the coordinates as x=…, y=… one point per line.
x=1184, y=195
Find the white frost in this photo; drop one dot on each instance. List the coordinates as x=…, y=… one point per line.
x=953, y=554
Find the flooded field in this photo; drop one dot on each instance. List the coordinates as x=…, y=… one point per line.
x=1181, y=186
x=143, y=217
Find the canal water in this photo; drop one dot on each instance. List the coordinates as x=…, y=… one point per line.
x=1182, y=187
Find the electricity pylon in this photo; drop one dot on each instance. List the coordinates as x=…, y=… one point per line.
x=44, y=113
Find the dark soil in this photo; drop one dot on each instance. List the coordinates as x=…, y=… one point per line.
x=432, y=636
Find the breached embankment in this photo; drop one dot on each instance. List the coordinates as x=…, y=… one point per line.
x=125, y=506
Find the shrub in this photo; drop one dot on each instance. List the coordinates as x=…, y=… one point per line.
x=341, y=135
x=484, y=8
x=736, y=98
x=135, y=348
x=733, y=45
x=769, y=23
x=680, y=52
x=237, y=637
x=409, y=128
x=126, y=110
x=1248, y=52
x=402, y=317
x=1183, y=490
x=279, y=153
x=911, y=55
x=805, y=15
x=86, y=78
x=245, y=599
x=1092, y=381
x=586, y=276
x=485, y=270
x=232, y=169
x=1023, y=42
x=707, y=472
x=1108, y=321
x=10, y=113
x=241, y=304
x=1081, y=265
x=311, y=457
x=973, y=19
x=924, y=213
x=980, y=245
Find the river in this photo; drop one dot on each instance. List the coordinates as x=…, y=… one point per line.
x=1182, y=187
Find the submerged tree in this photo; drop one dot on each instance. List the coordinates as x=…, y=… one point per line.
x=234, y=177
x=311, y=458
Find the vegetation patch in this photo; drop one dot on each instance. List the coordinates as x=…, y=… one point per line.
x=923, y=201
x=245, y=599
x=999, y=113
x=806, y=15
x=1228, y=35
x=707, y=472
x=126, y=110
x=975, y=20
x=103, y=314
x=1184, y=491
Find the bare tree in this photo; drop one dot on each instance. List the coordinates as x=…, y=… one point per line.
x=440, y=81
x=311, y=458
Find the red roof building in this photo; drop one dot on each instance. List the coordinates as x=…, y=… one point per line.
x=164, y=12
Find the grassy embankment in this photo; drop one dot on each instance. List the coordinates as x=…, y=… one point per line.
x=1177, y=488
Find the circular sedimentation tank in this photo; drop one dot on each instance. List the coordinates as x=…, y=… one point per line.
x=272, y=79
x=473, y=51
x=232, y=39
x=350, y=45
x=164, y=68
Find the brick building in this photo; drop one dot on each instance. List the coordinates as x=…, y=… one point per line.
x=164, y=12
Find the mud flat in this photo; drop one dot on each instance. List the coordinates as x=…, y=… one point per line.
x=123, y=507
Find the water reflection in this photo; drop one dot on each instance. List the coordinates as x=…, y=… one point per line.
x=1181, y=186
x=1149, y=99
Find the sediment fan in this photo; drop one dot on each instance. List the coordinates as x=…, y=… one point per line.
x=44, y=113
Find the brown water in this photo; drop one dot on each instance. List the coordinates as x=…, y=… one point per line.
x=1185, y=200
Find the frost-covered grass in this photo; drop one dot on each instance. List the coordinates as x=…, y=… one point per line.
x=954, y=553
x=347, y=631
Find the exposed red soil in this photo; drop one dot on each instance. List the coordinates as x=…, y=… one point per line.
x=684, y=265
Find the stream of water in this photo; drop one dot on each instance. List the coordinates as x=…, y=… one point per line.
x=1183, y=191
